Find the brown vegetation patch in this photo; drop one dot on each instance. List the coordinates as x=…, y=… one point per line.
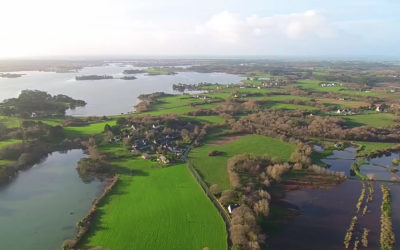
x=388, y=84
x=310, y=181
x=226, y=140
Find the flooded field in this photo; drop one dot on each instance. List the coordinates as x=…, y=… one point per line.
x=325, y=215
x=378, y=168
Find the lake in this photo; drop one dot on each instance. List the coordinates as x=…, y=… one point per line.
x=40, y=207
x=105, y=97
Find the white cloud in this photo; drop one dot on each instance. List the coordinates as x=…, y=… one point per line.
x=229, y=27
x=179, y=27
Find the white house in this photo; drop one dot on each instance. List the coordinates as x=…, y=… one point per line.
x=232, y=207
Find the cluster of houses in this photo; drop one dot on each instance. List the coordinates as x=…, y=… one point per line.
x=270, y=83
x=329, y=84
x=166, y=142
x=273, y=83
x=345, y=112
x=202, y=97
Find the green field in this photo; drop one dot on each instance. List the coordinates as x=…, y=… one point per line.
x=9, y=142
x=369, y=147
x=177, y=104
x=253, y=82
x=213, y=168
x=293, y=106
x=156, y=208
x=376, y=120
x=9, y=122
x=315, y=85
x=159, y=71
x=5, y=162
x=277, y=105
x=91, y=129
x=51, y=122
x=286, y=97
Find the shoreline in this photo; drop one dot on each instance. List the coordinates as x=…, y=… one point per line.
x=83, y=226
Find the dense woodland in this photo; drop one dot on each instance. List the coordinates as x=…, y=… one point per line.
x=34, y=103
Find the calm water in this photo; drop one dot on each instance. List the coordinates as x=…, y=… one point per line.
x=105, y=97
x=325, y=214
x=39, y=209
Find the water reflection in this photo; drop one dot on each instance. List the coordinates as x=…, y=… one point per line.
x=105, y=97
x=40, y=207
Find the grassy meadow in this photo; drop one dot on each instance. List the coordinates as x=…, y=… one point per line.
x=159, y=71
x=91, y=129
x=369, y=147
x=376, y=120
x=10, y=122
x=156, y=208
x=9, y=142
x=213, y=168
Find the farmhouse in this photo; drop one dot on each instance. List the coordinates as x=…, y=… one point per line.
x=379, y=108
x=115, y=139
x=163, y=159
x=345, y=112
x=232, y=207
x=146, y=156
x=328, y=84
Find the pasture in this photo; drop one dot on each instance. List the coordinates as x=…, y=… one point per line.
x=9, y=142
x=159, y=71
x=10, y=122
x=91, y=129
x=369, y=147
x=213, y=168
x=315, y=86
x=156, y=208
x=376, y=120
x=344, y=103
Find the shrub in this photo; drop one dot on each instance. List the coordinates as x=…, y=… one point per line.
x=227, y=197
x=215, y=189
x=215, y=153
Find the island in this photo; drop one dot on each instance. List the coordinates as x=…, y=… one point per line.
x=133, y=71
x=93, y=77
x=10, y=75
x=160, y=71
x=35, y=103
x=128, y=78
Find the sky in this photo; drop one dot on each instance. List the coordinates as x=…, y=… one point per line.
x=286, y=28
